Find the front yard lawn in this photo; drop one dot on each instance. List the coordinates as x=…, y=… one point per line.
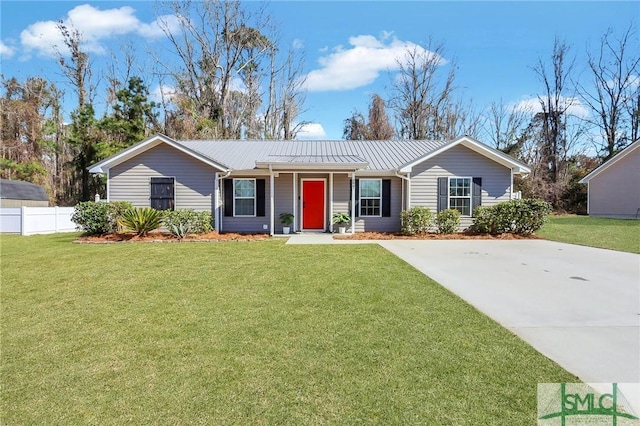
x=613, y=234
x=248, y=333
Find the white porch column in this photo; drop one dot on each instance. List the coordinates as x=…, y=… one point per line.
x=331, y=202
x=216, y=201
x=271, y=206
x=295, y=202
x=353, y=202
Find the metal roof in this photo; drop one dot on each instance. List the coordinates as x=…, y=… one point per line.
x=380, y=155
x=19, y=190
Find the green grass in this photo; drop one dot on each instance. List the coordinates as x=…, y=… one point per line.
x=248, y=333
x=613, y=234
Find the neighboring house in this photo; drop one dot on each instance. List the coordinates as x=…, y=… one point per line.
x=614, y=187
x=16, y=193
x=248, y=184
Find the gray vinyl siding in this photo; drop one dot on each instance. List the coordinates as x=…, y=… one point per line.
x=248, y=224
x=341, y=191
x=384, y=224
x=463, y=162
x=615, y=192
x=283, y=198
x=194, y=180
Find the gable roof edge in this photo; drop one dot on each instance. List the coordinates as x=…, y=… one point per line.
x=476, y=146
x=140, y=147
x=604, y=166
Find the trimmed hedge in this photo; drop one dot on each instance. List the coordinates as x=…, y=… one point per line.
x=521, y=217
x=416, y=220
x=448, y=221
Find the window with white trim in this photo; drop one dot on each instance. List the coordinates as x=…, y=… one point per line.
x=370, y=197
x=244, y=197
x=460, y=195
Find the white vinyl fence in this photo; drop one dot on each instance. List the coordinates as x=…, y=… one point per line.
x=36, y=220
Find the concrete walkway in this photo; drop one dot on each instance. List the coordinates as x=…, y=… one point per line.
x=322, y=238
x=579, y=306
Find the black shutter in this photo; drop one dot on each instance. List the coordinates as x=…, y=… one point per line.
x=228, y=197
x=260, y=197
x=386, y=198
x=443, y=193
x=476, y=195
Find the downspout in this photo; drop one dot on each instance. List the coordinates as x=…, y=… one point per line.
x=218, y=218
x=108, y=187
x=408, y=179
x=511, y=187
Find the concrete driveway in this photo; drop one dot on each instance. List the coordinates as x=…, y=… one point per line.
x=579, y=306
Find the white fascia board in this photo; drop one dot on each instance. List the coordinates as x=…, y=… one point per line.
x=619, y=156
x=324, y=167
x=127, y=154
x=474, y=145
x=374, y=173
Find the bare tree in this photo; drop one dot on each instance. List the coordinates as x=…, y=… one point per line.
x=379, y=126
x=77, y=68
x=555, y=102
x=286, y=95
x=420, y=99
x=613, y=97
x=504, y=125
x=355, y=128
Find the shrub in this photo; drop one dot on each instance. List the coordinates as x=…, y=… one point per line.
x=185, y=221
x=484, y=221
x=98, y=217
x=416, y=220
x=140, y=220
x=117, y=207
x=93, y=217
x=521, y=217
x=448, y=221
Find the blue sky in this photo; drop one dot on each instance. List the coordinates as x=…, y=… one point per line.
x=348, y=45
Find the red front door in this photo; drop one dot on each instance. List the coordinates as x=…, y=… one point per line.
x=312, y=204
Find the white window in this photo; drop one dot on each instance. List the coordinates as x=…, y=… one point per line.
x=370, y=197
x=460, y=195
x=244, y=197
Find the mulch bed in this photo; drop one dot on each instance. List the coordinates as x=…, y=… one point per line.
x=165, y=237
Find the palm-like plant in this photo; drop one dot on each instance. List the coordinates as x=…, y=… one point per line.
x=140, y=220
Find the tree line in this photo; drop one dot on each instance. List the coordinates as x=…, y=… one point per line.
x=233, y=79
x=576, y=126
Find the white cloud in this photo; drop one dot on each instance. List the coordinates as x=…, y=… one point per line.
x=170, y=23
x=6, y=51
x=94, y=26
x=297, y=44
x=573, y=106
x=160, y=91
x=360, y=64
x=312, y=131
